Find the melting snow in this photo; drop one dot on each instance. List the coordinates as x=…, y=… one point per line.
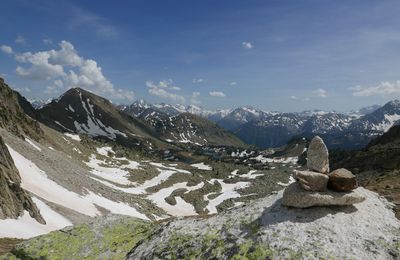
x=36, y=181
x=202, y=166
x=29, y=141
x=251, y=175
x=73, y=136
x=105, y=150
x=229, y=190
x=26, y=227
x=182, y=208
x=115, y=174
x=291, y=180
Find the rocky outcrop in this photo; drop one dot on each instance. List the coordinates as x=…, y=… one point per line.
x=318, y=156
x=14, y=110
x=342, y=180
x=311, y=181
x=296, y=196
x=311, y=188
x=13, y=199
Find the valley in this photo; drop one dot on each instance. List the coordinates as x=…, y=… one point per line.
x=87, y=161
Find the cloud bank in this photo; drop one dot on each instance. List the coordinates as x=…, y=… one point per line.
x=65, y=68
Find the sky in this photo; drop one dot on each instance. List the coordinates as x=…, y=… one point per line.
x=273, y=55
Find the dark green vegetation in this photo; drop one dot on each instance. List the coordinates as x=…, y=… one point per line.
x=377, y=166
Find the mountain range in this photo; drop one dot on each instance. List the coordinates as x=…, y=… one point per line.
x=264, y=129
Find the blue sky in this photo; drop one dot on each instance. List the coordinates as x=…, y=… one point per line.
x=274, y=55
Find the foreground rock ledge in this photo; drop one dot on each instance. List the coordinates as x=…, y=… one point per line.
x=295, y=196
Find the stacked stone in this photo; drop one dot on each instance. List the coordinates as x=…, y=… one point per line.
x=311, y=188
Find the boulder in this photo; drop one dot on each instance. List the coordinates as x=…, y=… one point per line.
x=311, y=181
x=318, y=156
x=342, y=180
x=295, y=196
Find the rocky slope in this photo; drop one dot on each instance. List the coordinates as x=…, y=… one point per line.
x=13, y=199
x=16, y=113
x=262, y=229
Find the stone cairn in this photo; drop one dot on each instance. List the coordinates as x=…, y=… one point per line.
x=317, y=187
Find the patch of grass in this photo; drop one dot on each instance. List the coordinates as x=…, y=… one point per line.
x=212, y=245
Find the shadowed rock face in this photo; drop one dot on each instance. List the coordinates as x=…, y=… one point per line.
x=13, y=199
x=14, y=111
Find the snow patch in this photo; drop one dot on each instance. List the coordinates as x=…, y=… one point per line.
x=73, y=136
x=29, y=141
x=202, y=166
x=26, y=227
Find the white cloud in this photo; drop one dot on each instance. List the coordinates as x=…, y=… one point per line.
x=48, y=41
x=164, y=89
x=20, y=40
x=320, y=93
x=55, y=88
x=294, y=97
x=6, y=49
x=200, y=80
x=247, y=45
x=384, y=89
x=217, y=94
x=66, y=69
x=193, y=98
x=83, y=19
x=26, y=90
x=233, y=83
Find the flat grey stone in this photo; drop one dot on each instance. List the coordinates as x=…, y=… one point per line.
x=311, y=181
x=295, y=196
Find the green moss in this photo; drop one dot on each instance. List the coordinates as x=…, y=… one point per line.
x=106, y=240
x=213, y=245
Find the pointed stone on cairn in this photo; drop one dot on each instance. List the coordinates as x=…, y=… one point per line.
x=311, y=188
x=318, y=156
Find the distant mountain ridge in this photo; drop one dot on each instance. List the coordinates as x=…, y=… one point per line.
x=350, y=130
x=265, y=129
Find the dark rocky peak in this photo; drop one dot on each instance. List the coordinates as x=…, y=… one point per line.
x=16, y=113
